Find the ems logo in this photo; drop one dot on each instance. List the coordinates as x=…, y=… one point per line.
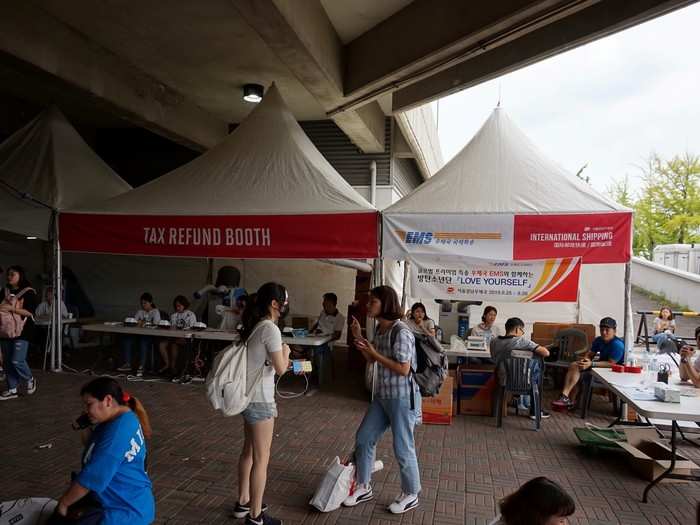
x=415, y=237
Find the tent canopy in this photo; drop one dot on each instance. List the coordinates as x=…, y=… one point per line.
x=501, y=171
x=500, y=198
x=264, y=192
x=49, y=161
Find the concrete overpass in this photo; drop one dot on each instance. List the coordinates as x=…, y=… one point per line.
x=177, y=67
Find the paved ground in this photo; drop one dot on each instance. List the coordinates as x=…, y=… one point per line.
x=685, y=326
x=466, y=467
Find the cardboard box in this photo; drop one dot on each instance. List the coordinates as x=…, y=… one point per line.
x=477, y=384
x=649, y=457
x=437, y=410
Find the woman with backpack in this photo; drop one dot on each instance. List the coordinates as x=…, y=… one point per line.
x=396, y=400
x=266, y=356
x=17, y=331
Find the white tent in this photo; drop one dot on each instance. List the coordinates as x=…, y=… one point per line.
x=48, y=162
x=264, y=192
x=46, y=167
x=498, y=181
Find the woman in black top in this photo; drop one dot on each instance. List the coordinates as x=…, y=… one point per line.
x=19, y=301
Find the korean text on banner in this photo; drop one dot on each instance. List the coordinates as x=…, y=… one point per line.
x=597, y=237
x=488, y=236
x=551, y=280
x=341, y=235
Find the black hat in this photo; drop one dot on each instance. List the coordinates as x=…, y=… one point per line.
x=608, y=322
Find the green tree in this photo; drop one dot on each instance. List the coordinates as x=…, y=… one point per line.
x=667, y=205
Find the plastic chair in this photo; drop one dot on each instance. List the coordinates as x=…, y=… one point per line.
x=570, y=341
x=518, y=371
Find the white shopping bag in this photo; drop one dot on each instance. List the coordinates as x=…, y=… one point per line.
x=336, y=485
x=27, y=511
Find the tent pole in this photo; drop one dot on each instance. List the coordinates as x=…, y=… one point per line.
x=406, y=270
x=57, y=329
x=628, y=323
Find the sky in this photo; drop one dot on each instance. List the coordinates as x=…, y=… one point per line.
x=609, y=104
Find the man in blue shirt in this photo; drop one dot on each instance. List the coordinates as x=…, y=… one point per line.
x=610, y=350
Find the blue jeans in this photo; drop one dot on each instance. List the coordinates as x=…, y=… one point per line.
x=382, y=414
x=323, y=363
x=665, y=342
x=145, y=346
x=14, y=356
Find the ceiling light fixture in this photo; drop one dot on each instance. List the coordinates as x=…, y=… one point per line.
x=253, y=93
x=31, y=238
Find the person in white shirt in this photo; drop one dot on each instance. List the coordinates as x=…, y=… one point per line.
x=147, y=315
x=231, y=316
x=330, y=320
x=267, y=355
x=181, y=319
x=419, y=322
x=45, y=308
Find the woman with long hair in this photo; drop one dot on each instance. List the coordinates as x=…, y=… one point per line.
x=396, y=401
x=540, y=501
x=266, y=356
x=664, y=328
x=419, y=322
x=112, y=486
x=19, y=302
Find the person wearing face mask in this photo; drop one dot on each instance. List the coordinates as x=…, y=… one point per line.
x=267, y=355
x=540, y=501
x=112, y=486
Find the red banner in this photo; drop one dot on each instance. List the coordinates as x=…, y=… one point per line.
x=325, y=236
x=598, y=238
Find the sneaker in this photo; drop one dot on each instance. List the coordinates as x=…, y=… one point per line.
x=9, y=394
x=31, y=386
x=362, y=493
x=263, y=519
x=543, y=415
x=185, y=380
x=124, y=368
x=139, y=372
x=562, y=404
x=241, y=511
x=404, y=503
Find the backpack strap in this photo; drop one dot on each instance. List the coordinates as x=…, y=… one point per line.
x=398, y=326
x=22, y=292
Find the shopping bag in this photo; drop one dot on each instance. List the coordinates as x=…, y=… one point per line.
x=335, y=486
x=27, y=511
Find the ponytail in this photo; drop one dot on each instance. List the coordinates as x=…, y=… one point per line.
x=137, y=407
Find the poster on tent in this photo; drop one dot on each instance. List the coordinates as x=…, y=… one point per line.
x=549, y=280
x=595, y=237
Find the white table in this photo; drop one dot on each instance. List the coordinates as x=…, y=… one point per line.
x=465, y=353
x=687, y=410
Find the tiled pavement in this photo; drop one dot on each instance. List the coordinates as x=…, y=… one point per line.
x=466, y=467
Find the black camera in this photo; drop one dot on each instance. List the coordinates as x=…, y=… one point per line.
x=81, y=423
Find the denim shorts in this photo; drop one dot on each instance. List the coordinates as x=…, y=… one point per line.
x=256, y=412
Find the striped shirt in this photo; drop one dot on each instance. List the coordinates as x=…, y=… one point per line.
x=389, y=384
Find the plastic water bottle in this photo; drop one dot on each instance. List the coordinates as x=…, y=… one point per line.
x=654, y=364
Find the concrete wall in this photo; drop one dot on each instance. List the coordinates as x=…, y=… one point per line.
x=676, y=285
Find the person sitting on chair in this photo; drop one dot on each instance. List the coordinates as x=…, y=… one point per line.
x=502, y=346
x=419, y=322
x=690, y=371
x=610, y=350
x=45, y=308
x=330, y=322
x=664, y=328
x=487, y=327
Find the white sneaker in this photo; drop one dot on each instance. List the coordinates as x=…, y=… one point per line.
x=9, y=394
x=139, y=372
x=31, y=386
x=404, y=503
x=362, y=493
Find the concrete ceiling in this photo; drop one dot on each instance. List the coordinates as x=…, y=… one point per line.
x=353, y=18
x=177, y=67
x=205, y=54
